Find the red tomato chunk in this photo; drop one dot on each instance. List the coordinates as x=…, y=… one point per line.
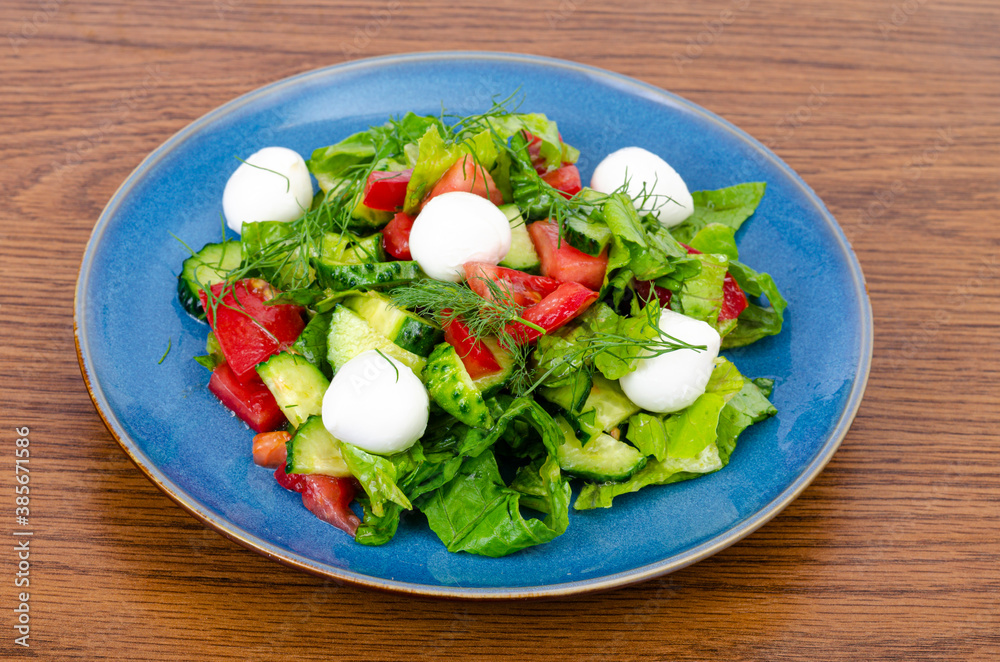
x=396, y=236
x=563, y=262
x=328, y=498
x=466, y=176
x=524, y=289
x=476, y=356
x=249, y=331
x=386, y=191
x=566, y=303
x=250, y=400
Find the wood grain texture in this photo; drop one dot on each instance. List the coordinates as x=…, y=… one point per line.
x=889, y=109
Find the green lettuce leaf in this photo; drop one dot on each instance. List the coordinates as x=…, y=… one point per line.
x=748, y=406
x=729, y=206
x=311, y=343
x=756, y=321
x=387, y=147
x=701, y=297
x=670, y=470
x=716, y=238
x=332, y=165
x=477, y=513
x=435, y=156
x=692, y=442
x=377, y=476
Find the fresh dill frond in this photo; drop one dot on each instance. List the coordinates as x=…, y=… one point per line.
x=445, y=302
x=617, y=346
x=389, y=361
x=288, y=182
x=170, y=343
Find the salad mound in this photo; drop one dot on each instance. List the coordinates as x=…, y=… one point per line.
x=455, y=325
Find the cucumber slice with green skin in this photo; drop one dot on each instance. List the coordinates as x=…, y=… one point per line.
x=341, y=277
x=366, y=250
x=450, y=386
x=313, y=450
x=570, y=396
x=601, y=459
x=366, y=217
x=412, y=333
x=333, y=245
x=204, y=269
x=490, y=385
x=346, y=248
x=610, y=405
x=522, y=254
x=588, y=235
x=297, y=386
x=351, y=335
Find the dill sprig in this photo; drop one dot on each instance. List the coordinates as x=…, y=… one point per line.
x=617, y=346
x=445, y=302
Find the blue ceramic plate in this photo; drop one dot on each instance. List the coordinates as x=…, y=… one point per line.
x=194, y=450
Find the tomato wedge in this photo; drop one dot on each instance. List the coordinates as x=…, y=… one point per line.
x=269, y=449
x=396, y=236
x=249, y=331
x=552, y=312
x=563, y=262
x=524, y=289
x=734, y=299
x=566, y=180
x=476, y=356
x=250, y=400
x=386, y=191
x=467, y=176
x=328, y=498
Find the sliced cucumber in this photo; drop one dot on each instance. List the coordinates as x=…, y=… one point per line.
x=610, y=404
x=313, y=450
x=522, y=254
x=365, y=250
x=346, y=248
x=297, y=386
x=204, y=269
x=341, y=277
x=412, y=333
x=450, y=386
x=585, y=234
x=333, y=245
x=570, y=396
x=601, y=459
x=366, y=217
x=490, y=385
x=351, y=335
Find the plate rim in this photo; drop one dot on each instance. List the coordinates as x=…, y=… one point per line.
x=642, y=573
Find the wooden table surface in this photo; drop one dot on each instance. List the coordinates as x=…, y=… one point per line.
x=890, y=109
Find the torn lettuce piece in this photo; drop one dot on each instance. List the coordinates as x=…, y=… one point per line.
x=476, y=512
x=756, y=321
x=435, y=155
x=670, y=470
x=386, y=147
x=692, y=442
x=729, y=206
x=701, y=297
x=377, y=476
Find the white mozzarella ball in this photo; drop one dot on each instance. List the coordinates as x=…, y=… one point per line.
x=259, y=190
x=671, y=202
x=455, y=228
x=376, y=403
x=672, y=381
